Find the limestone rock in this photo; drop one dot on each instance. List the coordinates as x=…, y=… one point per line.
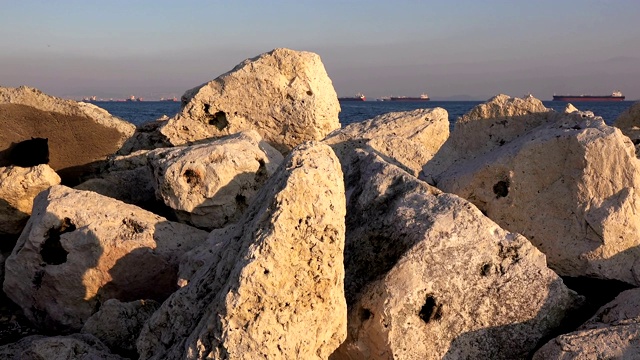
x=570, y=108
x=72, y=347
x=18, y=187
x=486, y=127
x=629, y=123
x=127, y=178
x=408, y=139
x=80, y=135
x=428, y=276
x=118, y=324
x=612, y=333
x=569, y=187
x=273, y=288
x=211, y=184
x=285, y=95
x=80, y=249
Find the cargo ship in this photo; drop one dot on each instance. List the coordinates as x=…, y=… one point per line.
x=615, y=96
x=423, y=97
x=358, y=97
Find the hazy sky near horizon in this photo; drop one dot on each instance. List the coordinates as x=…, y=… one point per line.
x=444, y=48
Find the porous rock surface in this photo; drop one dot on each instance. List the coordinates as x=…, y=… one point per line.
x=80, y=134
x=118, y=324
x=273, y=285
x=408, y=139
x=72, y=347
x=570, y=187
x=486, y=127
x=612, y=333
x=285, y=95
x=80, y=249
x=629, y=123
x=428, y=276
x=18, y=187
x=209, y=185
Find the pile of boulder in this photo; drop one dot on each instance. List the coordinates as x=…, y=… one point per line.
x=253, y=225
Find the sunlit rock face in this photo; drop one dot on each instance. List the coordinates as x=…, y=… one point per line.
x=409, y=139
x=270, y=286
x=284, y=95
x=80, y=249
x=210, y=185
x=428, y=276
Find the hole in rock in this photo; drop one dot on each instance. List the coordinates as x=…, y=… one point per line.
x=219, y=120
x=51, y=250
x=365, y=314
x=309, y=92
x=501, y=188
x=431, y=310
x=486, y=269
x=192, y=177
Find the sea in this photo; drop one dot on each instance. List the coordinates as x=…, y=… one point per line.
x=140, y=112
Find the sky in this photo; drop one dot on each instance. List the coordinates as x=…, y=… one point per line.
x=448, y=49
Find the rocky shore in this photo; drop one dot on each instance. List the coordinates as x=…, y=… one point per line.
x=251, y=225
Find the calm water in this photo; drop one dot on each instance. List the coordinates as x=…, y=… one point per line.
x=141, y=112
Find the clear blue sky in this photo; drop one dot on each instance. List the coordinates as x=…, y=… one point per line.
x=393, y=47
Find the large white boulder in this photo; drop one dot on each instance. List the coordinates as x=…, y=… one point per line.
x=18, y=187
x=569, y=187
x=272, y=285
x=285, y=95
x=409, y=139
x=486, y=127
x=80, y=249
x=211, y=184
x=428, y=276
x=629, y=123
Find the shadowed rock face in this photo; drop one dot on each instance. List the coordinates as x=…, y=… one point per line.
x=79, y=135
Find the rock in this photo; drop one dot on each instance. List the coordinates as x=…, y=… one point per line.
x=570, y=108
x=612, y=333
x=72, y=347
x=486, y=127
x=629, y=123
x=80, y=135
x=146, y=137
x=428, y=276
x=273, y=288
x=570, y=188
x=285, y=95
x=209, y=185
x=127, y=178
x=80, y=249
x=18, y=187
x=407, y=139
x=118, y=324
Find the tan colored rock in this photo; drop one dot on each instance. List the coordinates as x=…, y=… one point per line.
x=118, y=324
x=273, y=288
x=127, y=178
x=285, y=95
x=570, y=188
x=408, y=139
x=80, y=135
x=209, y=185
x=570, y=108
x=612, y=333
x=80, y=249
x=72, y=347
x=18, y=187
x=428, y=276
x=629, y=123
x=486, y=127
